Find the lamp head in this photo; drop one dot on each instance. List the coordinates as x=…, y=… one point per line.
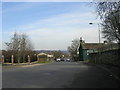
x=90, y=23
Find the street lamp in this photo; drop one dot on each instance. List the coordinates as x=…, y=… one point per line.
x=98, y=30
x=99, y=38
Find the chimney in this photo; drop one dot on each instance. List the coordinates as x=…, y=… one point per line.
x=105, y=42
x=81, y=40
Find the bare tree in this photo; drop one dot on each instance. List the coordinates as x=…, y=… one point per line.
x=58, y=54
x=25, y=46
x=20, y=45
x=111, y=27
x=14, y=46
x=73, y=49
x=109, y=13
x=105, y=8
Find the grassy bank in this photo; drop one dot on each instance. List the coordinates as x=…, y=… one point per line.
x=46, y=61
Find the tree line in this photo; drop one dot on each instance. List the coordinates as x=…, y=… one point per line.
x=20, y=46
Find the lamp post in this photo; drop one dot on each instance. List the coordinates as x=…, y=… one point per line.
x=99, y=40
x=98, y=31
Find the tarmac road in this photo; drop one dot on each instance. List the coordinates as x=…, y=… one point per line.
x=58, y=75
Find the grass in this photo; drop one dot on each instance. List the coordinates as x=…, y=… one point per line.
x=46, y=61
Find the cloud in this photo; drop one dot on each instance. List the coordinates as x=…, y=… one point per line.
x=47, y=0
x=57, y=31
x=66, y=19
x=18, y=7
x=49, y=39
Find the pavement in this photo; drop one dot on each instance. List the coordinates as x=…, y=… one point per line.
x=113, y=70
x=58, y=75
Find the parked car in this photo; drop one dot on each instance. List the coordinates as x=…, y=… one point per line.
x=68, y=59
x=58, y=59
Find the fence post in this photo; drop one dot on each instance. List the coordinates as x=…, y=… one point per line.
x=28, y=59
x=3, y=59
x=12, y=57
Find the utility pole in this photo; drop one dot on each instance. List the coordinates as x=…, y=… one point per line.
x=98, y=40
x=98, y=32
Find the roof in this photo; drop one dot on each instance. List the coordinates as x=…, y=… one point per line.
x=48, y=55
x=100, y=46
x=92, y=45
x=42, y=54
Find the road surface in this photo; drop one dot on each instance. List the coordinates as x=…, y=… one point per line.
x=58, y=75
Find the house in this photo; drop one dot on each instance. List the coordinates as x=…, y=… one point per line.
x=85, y=49
x=44, y=57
